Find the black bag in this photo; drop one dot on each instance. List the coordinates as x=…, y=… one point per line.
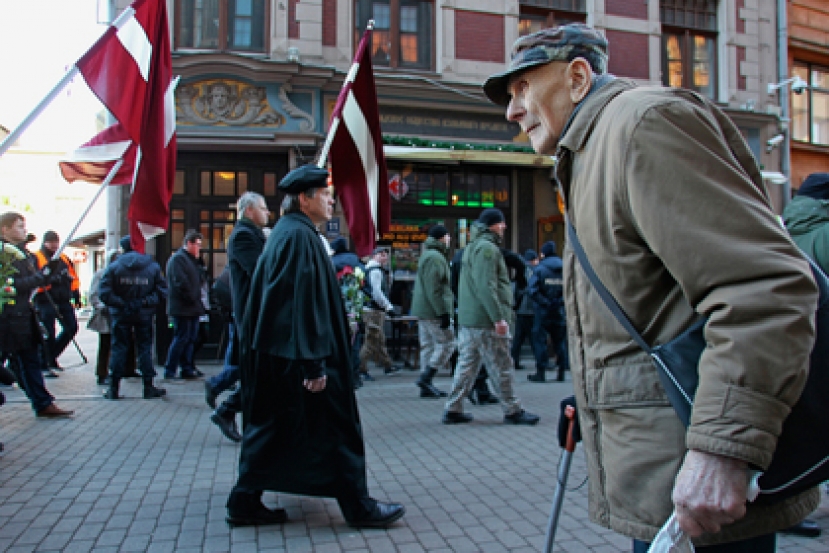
x=801, y=459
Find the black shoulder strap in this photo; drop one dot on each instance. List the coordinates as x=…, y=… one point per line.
x=606, y=296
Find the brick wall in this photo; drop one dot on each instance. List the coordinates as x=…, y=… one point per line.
x=479, y=36
x=293, y=24
x=637, y=9
x=329, y=22
x=628, y=54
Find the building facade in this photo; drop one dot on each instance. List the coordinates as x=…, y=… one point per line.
x=259, y=79
x=808, y=58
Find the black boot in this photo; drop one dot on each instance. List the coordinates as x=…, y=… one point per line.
x=112, y=391
x=539, y=375
x=427, y=389
x=151, y=392
x=480, y=394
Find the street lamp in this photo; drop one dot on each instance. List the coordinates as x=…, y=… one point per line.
x=798, y=85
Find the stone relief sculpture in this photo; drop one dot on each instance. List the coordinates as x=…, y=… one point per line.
x=307, y=124
x=225, y=103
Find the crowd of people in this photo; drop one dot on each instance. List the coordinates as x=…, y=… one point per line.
x=627, y=172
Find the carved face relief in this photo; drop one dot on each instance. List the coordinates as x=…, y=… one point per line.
x=225, y=102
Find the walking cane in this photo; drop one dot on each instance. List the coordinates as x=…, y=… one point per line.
x=570, y=437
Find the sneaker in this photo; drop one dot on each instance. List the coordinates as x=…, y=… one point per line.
x=521, y=417
x=452, y=417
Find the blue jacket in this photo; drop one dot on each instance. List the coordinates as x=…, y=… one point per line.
x=133, y=286
x=546, y=287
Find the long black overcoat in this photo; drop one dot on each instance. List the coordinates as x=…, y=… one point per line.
x=296, y=441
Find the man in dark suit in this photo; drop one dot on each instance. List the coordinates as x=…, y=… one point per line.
x=244, y=247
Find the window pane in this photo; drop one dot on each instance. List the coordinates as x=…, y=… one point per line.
x=501, y=191
x=408, y=19
x=441, y=188
x=529, y=24
x=176, y=234
x=820, y=78
x=820, y=118
x=673, y=56
x=270, y=185
x=244, y=7
x=224, y=183
x=178, y=186
x=703, y=76
x=246, y=25
x=415, y=34
x=243, y=183
x=177, y=214
x=800, y=106
x=206, y=24
x=205, y=183
x=487, y=190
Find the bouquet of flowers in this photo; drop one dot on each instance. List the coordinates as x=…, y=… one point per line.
x=8, y=255
x=351, y=286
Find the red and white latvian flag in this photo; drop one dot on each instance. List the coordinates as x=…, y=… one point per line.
x=358, y=167
x=130, y=69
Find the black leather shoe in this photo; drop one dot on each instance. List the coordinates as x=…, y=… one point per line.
x=381, y=516
x=151, y=392
x=521, y=417
x=807, y=529
x=536, y=378
x=451, y=417
x=227, y=426
x=258, y=516
x=103, y=381
x=209, y=395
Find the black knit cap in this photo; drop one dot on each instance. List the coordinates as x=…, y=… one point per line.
x=530, y=255
x=438, y=231
x=491, y=216
x=815, y=186
x=51, y=236
x=126, y=244
x=548, y=249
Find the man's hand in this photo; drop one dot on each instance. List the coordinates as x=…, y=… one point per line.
x=315, y=385
x=710, y=492
x=502, y=328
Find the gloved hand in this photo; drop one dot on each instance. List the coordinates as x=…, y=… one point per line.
x=390, y=313
x=445, y=322
x=312, y=369
x=563, y=423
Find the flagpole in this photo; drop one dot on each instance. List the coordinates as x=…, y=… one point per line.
x=104, y=185
x=70, y=74
x=332, y=130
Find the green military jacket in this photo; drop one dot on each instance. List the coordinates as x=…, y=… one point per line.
x=432, y=293
x=484, y=291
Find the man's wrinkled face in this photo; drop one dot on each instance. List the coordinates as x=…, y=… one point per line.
x=320, y=208
x=499, y=228
x=540, y=102
x=258, y=213
x=16, y=233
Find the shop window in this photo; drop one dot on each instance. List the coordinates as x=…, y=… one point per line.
x=403, y=31
x=178, y=185
x=216, y=226
x=442, y=187
x=535, y=15
x=223, y=25
x=810, y=110
x=223, y=183
x=176, y=228
x=689, y=44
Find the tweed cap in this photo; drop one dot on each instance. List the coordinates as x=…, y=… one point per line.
x=304, y=178
x=563, y=43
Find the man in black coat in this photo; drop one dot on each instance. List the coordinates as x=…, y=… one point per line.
x=302, y=431
x=19, y=337
x=244, y=247
x=185, y=279
x=547, y=292
x=132, y=287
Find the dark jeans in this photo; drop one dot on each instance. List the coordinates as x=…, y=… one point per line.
x=760, y=544
x=27, y=369
x=186, y=332
x=556, y=328
x=230, y=373
x=231, y=406
x=65, y=315
x=523, y=332
x=124, y=330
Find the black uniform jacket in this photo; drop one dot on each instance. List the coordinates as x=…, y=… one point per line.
x=296, y=441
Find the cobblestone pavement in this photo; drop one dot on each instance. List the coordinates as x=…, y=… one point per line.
x=138, y=475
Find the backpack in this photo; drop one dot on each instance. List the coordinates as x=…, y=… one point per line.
x=801, y=459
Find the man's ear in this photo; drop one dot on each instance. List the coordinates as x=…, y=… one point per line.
x=579, y=78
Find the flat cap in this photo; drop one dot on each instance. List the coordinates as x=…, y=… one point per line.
x=563, y=43
x=304, y=178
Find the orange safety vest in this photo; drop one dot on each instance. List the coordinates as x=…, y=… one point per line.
x=42, y=260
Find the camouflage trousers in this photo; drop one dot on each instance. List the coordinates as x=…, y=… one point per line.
x=478, y=346
x=374, y=346
x=436, y=344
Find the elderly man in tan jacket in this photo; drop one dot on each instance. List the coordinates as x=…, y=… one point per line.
x=669, y=205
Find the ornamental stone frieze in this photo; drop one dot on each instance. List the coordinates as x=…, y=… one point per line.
x=225, y=102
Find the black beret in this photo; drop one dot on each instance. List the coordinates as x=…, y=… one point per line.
x=304, y=178
x=815, y=186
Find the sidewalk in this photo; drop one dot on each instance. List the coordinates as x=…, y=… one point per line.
x=136, y=475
